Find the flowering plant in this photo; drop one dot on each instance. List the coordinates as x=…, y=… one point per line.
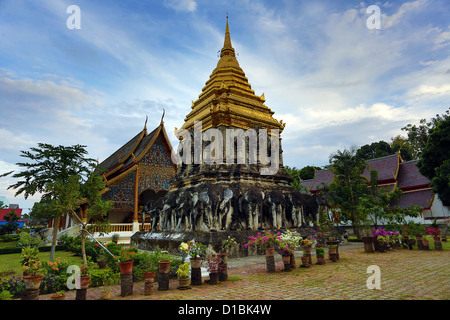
x=84, y=271
x=266, y=240
x=215, y=265
x=127, y=254
x=306, y=242
x=287, y=243
x=32, y=267
x=227, y=243
x=433, y=231
x=193, y=248
x=61, y=293
x=57, y=267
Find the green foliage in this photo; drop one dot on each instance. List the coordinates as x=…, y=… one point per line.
x=5, y=295
x=49, y=164
x=348, y=186
x=320, y=251
x=27, y=240
x=435, y=160
x=418, y=135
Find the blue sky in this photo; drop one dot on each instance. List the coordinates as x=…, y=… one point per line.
x=335, y=82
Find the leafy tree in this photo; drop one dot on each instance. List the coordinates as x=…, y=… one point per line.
x=303, y=174
x=51, y=165
x=435, y=160
x=348, y=186
x=401, y=144
x=418, y=135
x=382, y=148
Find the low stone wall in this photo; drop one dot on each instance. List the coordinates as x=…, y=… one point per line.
x=170, y=241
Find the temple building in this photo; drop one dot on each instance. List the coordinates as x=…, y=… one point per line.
x=230, y=178
x=394, y=172
x=136, y=173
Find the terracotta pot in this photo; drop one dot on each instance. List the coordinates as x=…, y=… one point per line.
x=437, y=239
x=184, y=282
x=33, y=282
x=425, y=242
x=270, y=252
x=368, y=239
x=320, y=260
x=286, y=259
x=150, y=275
x=101, y=264
x=164, y=266
x=126, y=267
x=307, y=250
x=63, y=297
x=332, y=250
x=305, y=262
x=196, y=262
x=83, y=282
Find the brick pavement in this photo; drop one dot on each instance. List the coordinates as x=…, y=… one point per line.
x=405, y=275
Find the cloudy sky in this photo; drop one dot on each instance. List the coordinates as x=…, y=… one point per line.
x=333, y=80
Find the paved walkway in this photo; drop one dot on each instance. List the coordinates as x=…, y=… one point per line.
x=404, y=274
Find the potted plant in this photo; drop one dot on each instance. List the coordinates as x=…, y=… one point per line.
x=332, y=250
x=183, y=275
x=320, y=254
x=223, y=255
x=60, y=295
x=126, y=259
x=101, y=261
x=32, y=268
x=164, y=262
x=434, y=231
x=267, y=242
x=195, y=250
x=368, y=239
x=149, y=267
x=83, y=279
x=115, y=238
x=27, y=255
x=213, y=267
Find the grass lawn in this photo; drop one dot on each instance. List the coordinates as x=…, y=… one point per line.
x=10, y=265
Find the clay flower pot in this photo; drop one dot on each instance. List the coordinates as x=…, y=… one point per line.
x=126, y=267
x=164, y=266
x=83, y=281
x=33, y=282
x=196, y=262
x=150, y=276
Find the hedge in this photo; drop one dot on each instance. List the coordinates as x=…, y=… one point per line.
x=9, y=250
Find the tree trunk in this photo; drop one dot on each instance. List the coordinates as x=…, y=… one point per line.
x=55, y=236
x=83, y=245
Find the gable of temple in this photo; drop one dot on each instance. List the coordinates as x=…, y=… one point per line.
x=139, y=170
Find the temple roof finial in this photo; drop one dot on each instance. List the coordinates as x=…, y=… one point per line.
x=227, y=47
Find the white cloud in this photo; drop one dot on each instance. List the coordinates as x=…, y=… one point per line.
x=181, y=5
x=399, y=16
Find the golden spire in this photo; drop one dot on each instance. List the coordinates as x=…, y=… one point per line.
x=227, y=49
x=227, y=98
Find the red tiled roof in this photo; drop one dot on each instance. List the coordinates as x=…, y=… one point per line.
x=387, y=167
x=409, y=176
x=423, y=198
x=321, y=177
